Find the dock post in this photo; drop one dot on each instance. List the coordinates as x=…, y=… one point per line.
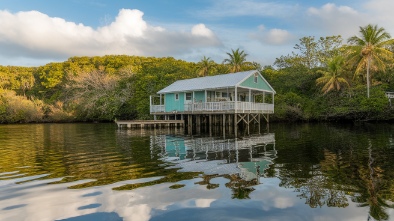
x=198, y=124
x=259, y=122
x=224, y=126
x=235, y=124
x=230, y=123
x=248, y=124
x=190, y=124
x=210, y=124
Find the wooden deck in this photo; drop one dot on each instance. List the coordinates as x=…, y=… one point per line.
x=149, y=123
x=218, y=108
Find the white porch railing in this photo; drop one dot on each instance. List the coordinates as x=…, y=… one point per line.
x=239, y=107
x=244, y=107
x=157, y=108
x=209, y=106
x=231, y=106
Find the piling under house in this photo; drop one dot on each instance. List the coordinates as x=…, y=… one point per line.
x=227, y=99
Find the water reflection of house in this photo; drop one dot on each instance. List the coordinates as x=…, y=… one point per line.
x=248, y=156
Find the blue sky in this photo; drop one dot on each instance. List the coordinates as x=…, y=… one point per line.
x=36, y=32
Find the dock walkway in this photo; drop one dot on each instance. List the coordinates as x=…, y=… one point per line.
x=149, y=123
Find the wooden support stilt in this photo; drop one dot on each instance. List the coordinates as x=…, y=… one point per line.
x=189, y=124
x=266, y=117
x=210, y=125
x=224, y=126
x=198, y=124
x=235, y=124
x=248, y=124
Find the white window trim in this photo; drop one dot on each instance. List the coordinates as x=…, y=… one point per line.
x=191, y=98
x=176, y=96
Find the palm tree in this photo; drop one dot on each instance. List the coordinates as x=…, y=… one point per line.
x=204, y=66
x=332, y=77
x=236, y=60
x=370, y=50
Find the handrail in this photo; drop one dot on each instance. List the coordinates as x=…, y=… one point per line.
x=390, y=94
x=157, y=108
x=230, y=106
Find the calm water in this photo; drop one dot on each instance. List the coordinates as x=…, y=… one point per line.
x=79, y=172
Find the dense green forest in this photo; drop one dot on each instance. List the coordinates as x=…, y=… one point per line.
x=322, y=79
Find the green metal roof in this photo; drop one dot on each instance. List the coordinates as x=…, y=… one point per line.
x=210, y=82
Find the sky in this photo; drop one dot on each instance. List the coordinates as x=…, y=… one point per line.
x=37, y=32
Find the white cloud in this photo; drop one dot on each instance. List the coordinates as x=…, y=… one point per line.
x=328, y=9
x=331, y=19
x=380, y=13
x=201, y=30
x=136, y=212
x=273, y=36
x=35, y=35
x=128, y=23
x=384, y=7
x=283, y=202
x=204, y=203
x=234, y=8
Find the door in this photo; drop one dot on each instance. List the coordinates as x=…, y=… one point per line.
x=188, y=101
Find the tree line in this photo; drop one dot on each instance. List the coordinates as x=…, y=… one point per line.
x=331, y=80
x=322, y=79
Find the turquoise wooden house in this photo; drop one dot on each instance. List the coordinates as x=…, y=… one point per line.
x=242, y=94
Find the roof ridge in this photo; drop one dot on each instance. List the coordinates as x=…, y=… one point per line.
x=216, y=75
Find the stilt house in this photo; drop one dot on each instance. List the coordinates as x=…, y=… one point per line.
x=242, y=94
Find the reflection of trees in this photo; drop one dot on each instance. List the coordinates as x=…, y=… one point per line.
x=372, y=189
x=170, y=176
x=240, y=187
x=320, y=190
x=316, y=188
x=207, y=181
x=82, y=151
x=345, y=167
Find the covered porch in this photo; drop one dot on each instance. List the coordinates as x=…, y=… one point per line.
x=224, y=100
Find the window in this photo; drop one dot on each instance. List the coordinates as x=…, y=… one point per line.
x=176, y=97
x=256, y=76
x=211, y=96
x=188, y=96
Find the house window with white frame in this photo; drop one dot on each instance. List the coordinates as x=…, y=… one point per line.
x=256, y=76
x=188, y=96
x=176, y=97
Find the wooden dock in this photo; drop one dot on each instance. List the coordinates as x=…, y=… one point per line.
x=150, y=123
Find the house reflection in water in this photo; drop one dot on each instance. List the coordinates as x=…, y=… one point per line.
x=248, y=157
